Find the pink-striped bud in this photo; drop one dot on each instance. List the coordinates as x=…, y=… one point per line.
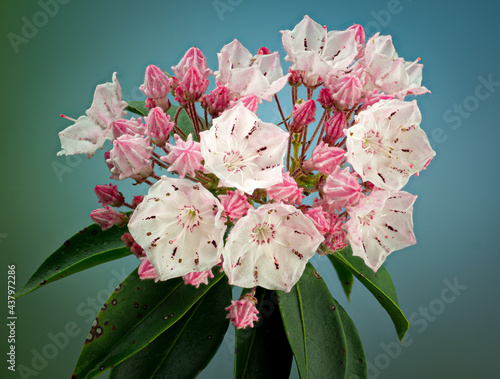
x=156, y=85
x=217, y=101
x=193, y=85
x=109, y=195
x=249, y=101
x=303, y=114
x=360, y=39
x=319, y=218
x=197, y=278
x=325, y=98
x=130, y=157
x=150, y=103
x=131, y=127
x=325, y=158
x=184, y=157
x=347, y=91
x=110, y=164
x=288, y=192
x=107, y=217
x=341, y=188
x=133, y=246
x=334, y=127
x=374, y=97
x=137, y=200
x=263, y=51
x=159, y=126
x=235, y=204
x=146, y=270
x=295, y=79
x=193, y=58
x=243, y=312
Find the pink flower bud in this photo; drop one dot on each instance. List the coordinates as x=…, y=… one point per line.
x=360, y=39
x=263, y=51
x=146, y=270
x=325, y=98
x=132, y=127
x=196, y=278
x=319, y=218
x=325, y=158
x=295, y=79
x=288, y=192
x=341, y=188
x=334, y=127
x=243, y=312
x=184, y=157
x=235, y=204
x=109, y=195
x=107, y=217
x=336, y=237
x=133, y=246
x=374, y=97
x=193, y=58
x=150, y=103
x=130, y=157
x=159, y=126
x=156, y=83
x=346, y=91
x=303, y=114
x=137, y=200
x=249, y=101
x=193, y=85
x=217, y=101
x=110, y=164
x=180, y=96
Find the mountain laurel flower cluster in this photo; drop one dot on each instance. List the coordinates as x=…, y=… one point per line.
x=222, y=189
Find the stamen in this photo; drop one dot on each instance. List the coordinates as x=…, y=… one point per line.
x=326, y=42
x=68, y=118
x=414, y=63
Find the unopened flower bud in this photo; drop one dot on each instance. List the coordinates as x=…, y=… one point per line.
x=146, y=270
x=341, y=188
x=235, y=204
x=193, y=85
x=107, y=217
x=325, y=98
x=263, y=51
x=217, y=101
x=156, y=85
x=196, y=278
x=193, y=58
x=347, y=91
x=303, y=114
x=334, y=127
x=131, y=127
x=325, y=158
x=133, y=246
x=109, y=195
x=295, y=79
x=184, y=157
x=159, y=126
x=130, y=157
x=243, y=312
x=150, y=103
x=374, y=97
x=288, y=191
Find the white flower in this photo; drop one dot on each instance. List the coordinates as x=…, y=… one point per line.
x=386, y=145
x=270, y=247
x=245, y=74
x=380, y=224
x=243, y=151
x=179, y=226
x=89, y=132
x=315, y=52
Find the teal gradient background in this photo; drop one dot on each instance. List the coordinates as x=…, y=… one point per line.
x=456, y=214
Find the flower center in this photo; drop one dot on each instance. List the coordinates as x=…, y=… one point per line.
x=188, y=217
x=233, y=160
x=263, y=233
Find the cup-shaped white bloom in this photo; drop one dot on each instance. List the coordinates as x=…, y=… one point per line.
x=245, y=74
x=315, y=53
x=89, y=132
x=179, y=226
x=243, y=151
x=270, y=247
x=386, y=145
x=380, y=224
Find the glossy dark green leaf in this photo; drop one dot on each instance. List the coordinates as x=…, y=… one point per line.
x=183, y=120
x=314, y=327
x=263, y=351
x=135, y=314
x=345, y=276
x=88, y=248
x=355, y=354
x=186, y=348
x=379, y=284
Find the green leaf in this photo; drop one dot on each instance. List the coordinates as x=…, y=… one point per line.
x=263, y=351
x=345, y=277
x=135, y=314
x=379, y=284
x=183, y=121
x=314, y=327
x=356, y=359
x=186, y=348
x=88, y=248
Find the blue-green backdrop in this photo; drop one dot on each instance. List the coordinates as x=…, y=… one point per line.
x=53, y=66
